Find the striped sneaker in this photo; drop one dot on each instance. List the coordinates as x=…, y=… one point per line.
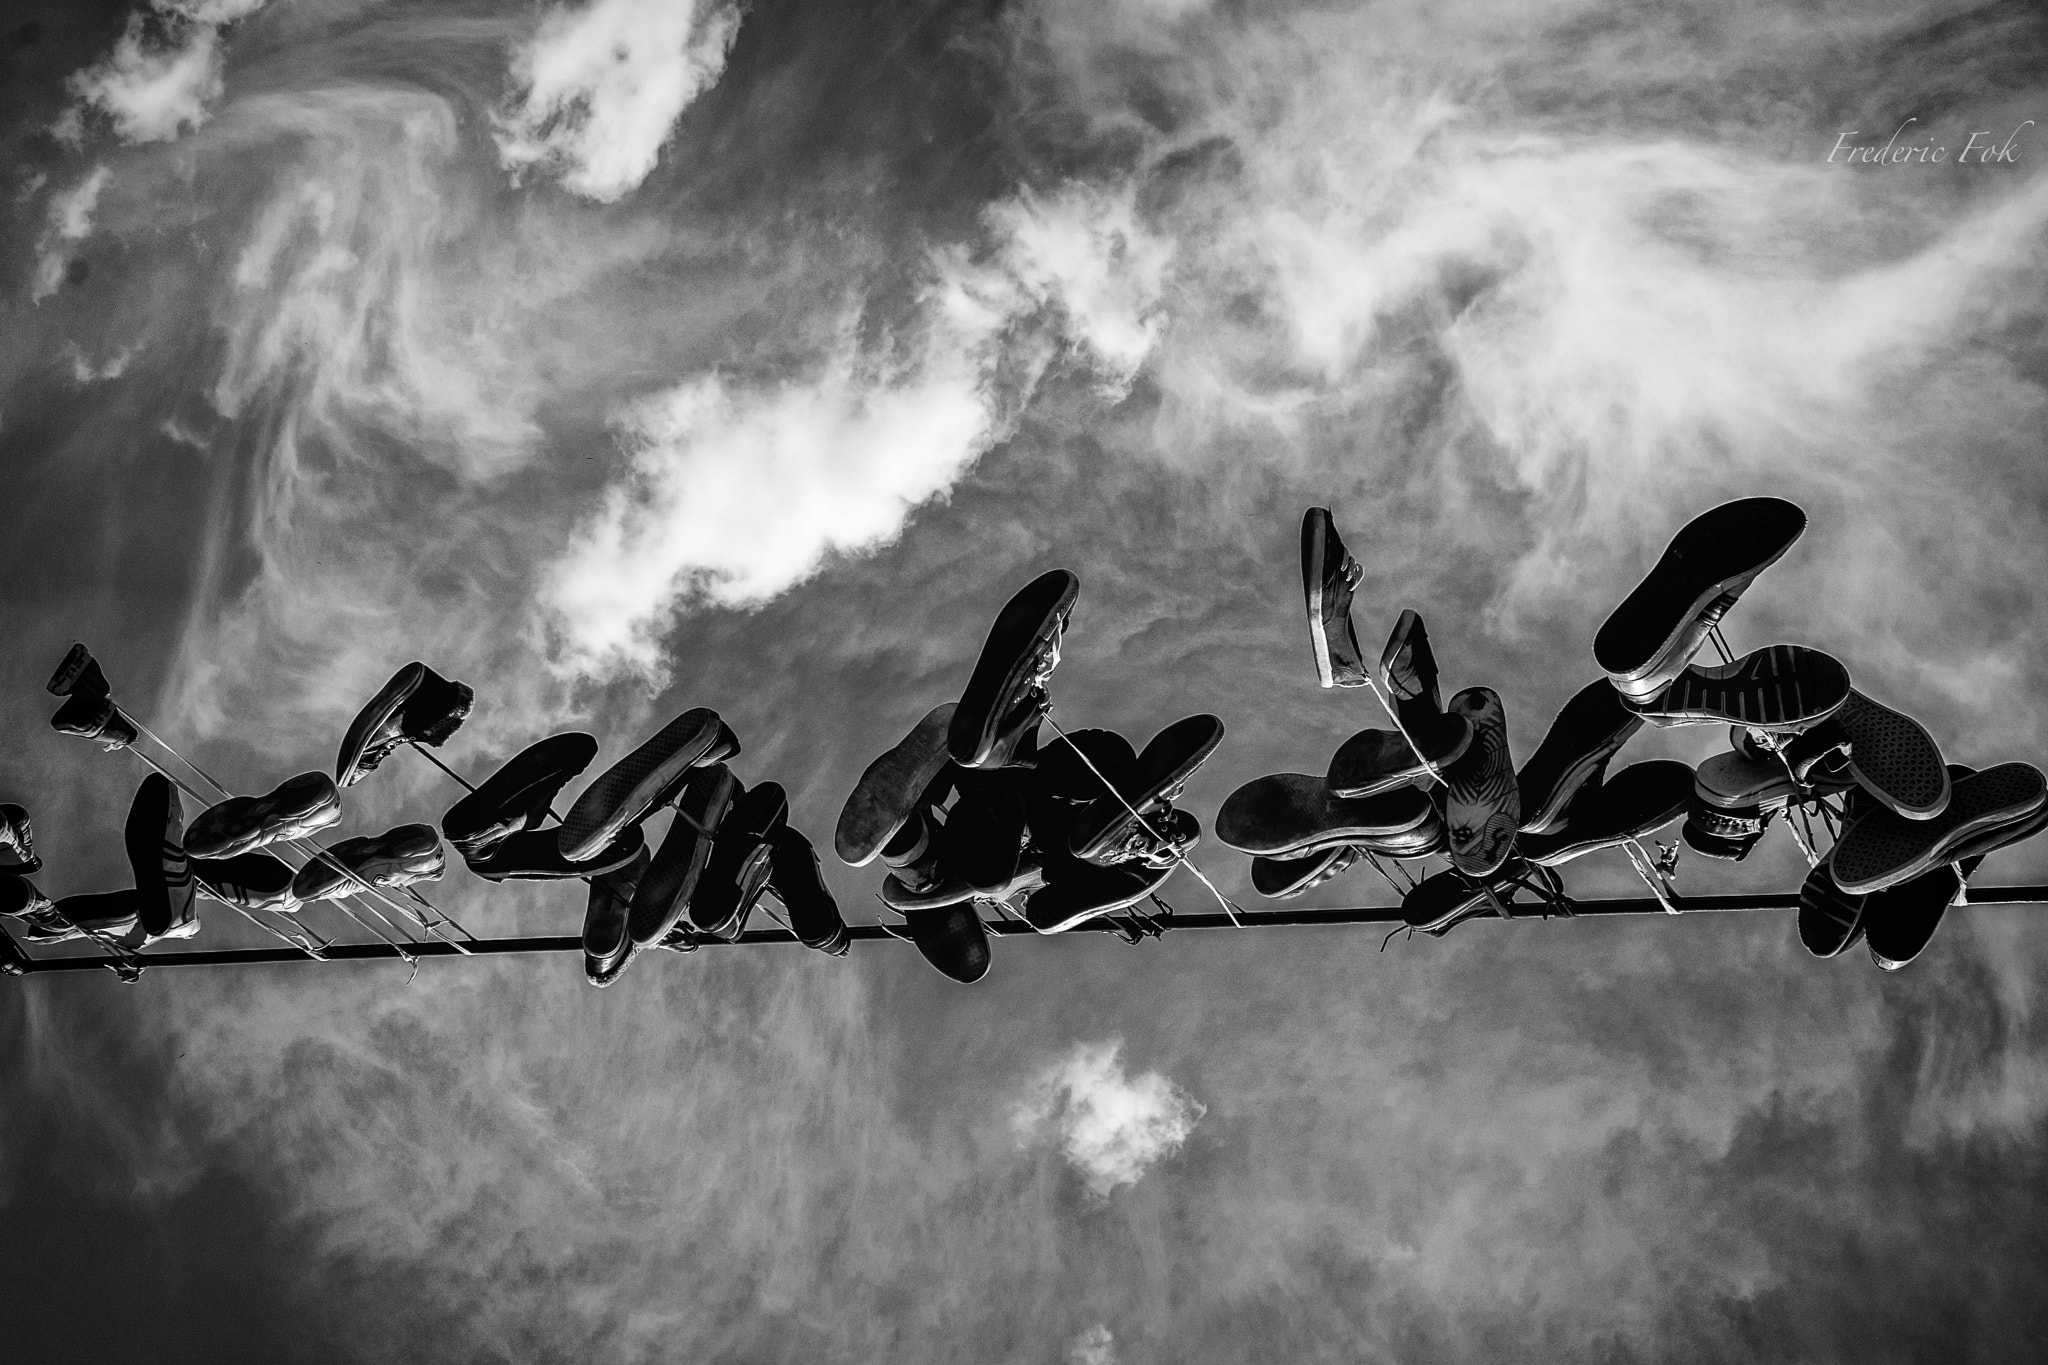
x=1830, y=920
x=1483, y=804
x=1329, y=576
x=251, y=881
x=1778, y=687
x=154, y=836
x=1883, y=849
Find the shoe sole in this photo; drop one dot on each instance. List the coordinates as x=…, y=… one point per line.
x=1287, y=813
x=664, y=893
x=798, y=880
x=742, y=852
x=349, y=765
x=1481, y=797
x=1883, y=849
x=1374, y=761
x=532, y=855
x=1317, y=530
x=524, y=786
x=1587, y=733
x=952, y=939
x=630, y=788
x=296, y=808
x=1279, y=878
x=1027, y=623
x=1899, y=923
x=1061, y=906
x=890, y=786
x=253, y=881
x=1980, y=846
x=400, y=856
x=1892, y=756
x=1778, y=687
x=1634, y=804
x=1718, y=553
x=156, y=855
x=1172, y=757
x=1830, y=920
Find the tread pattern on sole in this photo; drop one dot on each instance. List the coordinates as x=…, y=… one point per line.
x=1286, y=813
x=1778, y=687
x=1893, y=755
x=1883, y=848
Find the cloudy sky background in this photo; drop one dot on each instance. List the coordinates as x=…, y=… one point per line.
x=633, y=355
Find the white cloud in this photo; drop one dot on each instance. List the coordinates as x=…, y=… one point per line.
x=153, y=90
x=1111, y=1126
x=1084, y=252
x=601, y=88
x=69, y=222
x=86, y=372
x=1096, y=1346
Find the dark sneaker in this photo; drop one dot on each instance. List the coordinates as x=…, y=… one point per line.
x=1652, y=636
x=252, y=881
x=297, y=807
x=535, y=855
x=606, y=946
x=1287, y=813
x=1634, y=804
x=1893, y=757
x=104, y=914
x=156, y=854
x=79, y=676
x=1091, y=894
x=1482, y=805
x=905, y=894
x=984, y=835
x=1899, y=922
x=95, y=718
x=1329, y=576
x=17, y=843
x=1721, y=835
x=1439, y=902
x=417, y=706
x=951, y=938
x=1883, y=849
x=1778, y=687
x=638, y=783
x=1279, y=878
x=1430, y=837
x=13, y=961
x=1586, y=734
x=1374, y=761
x=21, y=898
x=398, y=857
x=1106, y=831
x=1735, y=782
x=796, y=879
x=1074, y=767
x=1408, y=667
x=1830, y=920
x=664, y=894
x=742, y=856
x=891, y=787
x=1991, y=840
x=517, y=796
x=1008, y=682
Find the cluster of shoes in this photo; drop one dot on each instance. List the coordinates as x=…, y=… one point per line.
x=971, y=809
x=1805, y=745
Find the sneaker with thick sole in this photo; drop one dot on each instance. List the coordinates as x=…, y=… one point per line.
x=155, y=840
x=1329, y=577
x=1287, y=813
x=1374, y=761
x=79, y=675
x=797, y=880
x=13, y=961
x=742, y=856
x=952, y=938
x=95, y=718
x=1440, y=901
x=296, y=807
x=1991, y=840
x=416, y=706
x=1649, y=639
x=1091, y=894
x=606, y=946
x=1894, y=758
x=400, y=856
x=1778, y=687
x=643, y=780
x=105, y=914
x=17, y=842
x=1425, y=840
x=1107, y=831
x=1884, y=849
x=1899, y=922
x=1280, y=878
x=1482, y=803
x=1010, y=674
x=516, y=797
x=535, y=855
x=21, y=897
x=1720, y=835
x=1633, y=804
x=1587, y=733
x=1830, y=919
x=251, y=881
x=672, y=880
x=891, y=787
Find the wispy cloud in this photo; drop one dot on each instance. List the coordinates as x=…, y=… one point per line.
x=1112, y=1126
x=69, y=222
x=1095, y=1346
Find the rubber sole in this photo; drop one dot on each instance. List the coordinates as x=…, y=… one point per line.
x=1883, y=849
x=1024, y=629
x=606, y=947
x=533, y=855
x=1899, y=923
x=1587, y=733
x=294, y=809
x=153, y=837
x=797, y=880
x=1633, y=804
x=1373, y=761
x=399, y=856
x=890, y=786
x=1482, y=802
x=1279, y=878
x=628, y=790
x=1778, y=687
x=1090, y=895
x=663, y=895
x=1338, y=663
x=1894, y=758
x=1286, y=813
x=953, y=939
x=1830, y=920
x=516, y=797
x=253, y=881
x=374, y=732
x=1172, y=757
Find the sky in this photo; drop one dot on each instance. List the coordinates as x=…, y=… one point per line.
x=623, y=356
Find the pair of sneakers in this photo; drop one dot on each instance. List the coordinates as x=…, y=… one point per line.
x=88, y=711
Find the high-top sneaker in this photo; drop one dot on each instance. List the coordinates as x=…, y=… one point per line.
x=94, y=718
x=1483, y=804
x=1329, y=577
x=1007, y=690
x=417, y=705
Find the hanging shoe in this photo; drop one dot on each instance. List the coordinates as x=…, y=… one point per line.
x=154, y=836
x=252, y=881
x=890, y=788
x=1830, y=920
x=1016, y=660
x=1375, y=761
x=742, y=856
x=1722, y=835
x=516, y=797
x=1091, y=894
x=1280, y=878
x=17, y=843
x=1408, y=668
x=13, y=961
x=673, y=879
x=1074, y=767
x=398, y=857
x=982, y=841
x=1587, y=733
x=1778, y=687
x=1107, y=831
x=638, y=783
x=1893, y=757
x=1329, y=576
x=953, y=939
x=1287, y=813
x=1899, y=922
x=79, y=675
x=1633, y=804
x=796, y=879
x=1439, y=902
x=94, y=718
x=1649, y=639
x=297, y=807
x=1883, y=849
x=535, y=855
x=417, y=705
x=21, y=898
x=906, y=894
x=1482, y=804
x=606, y=946
x=103, y=914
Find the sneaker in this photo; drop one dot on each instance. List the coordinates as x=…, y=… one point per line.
x=1329, y=576
x=79, y=676
x=1652, y=636
x=1279, y=878
x=102, y=914
x=905, y=894
x=1482, y=803
x=1091, y=894
x=417, y=706
x=742, y=856
x=982, y=841
x=1899, y=922
x=252, y=881
x=95, y=718
x=1778, y=687
x=1830, y=920
x=297, y=807
x=1008, y=682
x=21, y=898
x=664, y=894
x=642, y=780
x=796, y=879
x=1074, y=767
x=535, y=855
x=890, y=788
x=1427, y=839
x=1634, y=804
x=17, y=842
x=1375, y=761
x=399, y=856
x=156, y=854
x=1720, y=834
x=13, y=961
x=1107, y=831
x=953, y=939
x=1287, y=813
x=1439, y=902
x=1408, y=668
x=1991, y=840
x=1884, y=849
x=607, y=948
x=1892, y=756
x=1587, y=733
x=516, y=797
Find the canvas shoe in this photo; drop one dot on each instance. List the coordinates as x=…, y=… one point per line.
x=1375, y=761
x=1329, y=577
x=742, y=855
x=1899, y=922
x=297, y=807
x=1587, y=733
x=516, y=797
x=1991, y=840
x=17, y=843
x=1288, y=813
x=1280, y=878
x=1483, y=805
x=1883, y=849
x=1091, y=894
x=796, y=879
x=673, y=879
x=1778, y=687
x=1106, y=831
x=1633, y=804
x=607, y=948
x=1408, y=670
x=251, y=881
x=398, y=857
x=1830, y=920
x=891, y=788
x=1005, y=694
x=1649, y=639
x=416, y=706
x=643, y=781
x=535, y=855
x=79, y=675
x=154, y=837
x=94, y=718
x=952, y=938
